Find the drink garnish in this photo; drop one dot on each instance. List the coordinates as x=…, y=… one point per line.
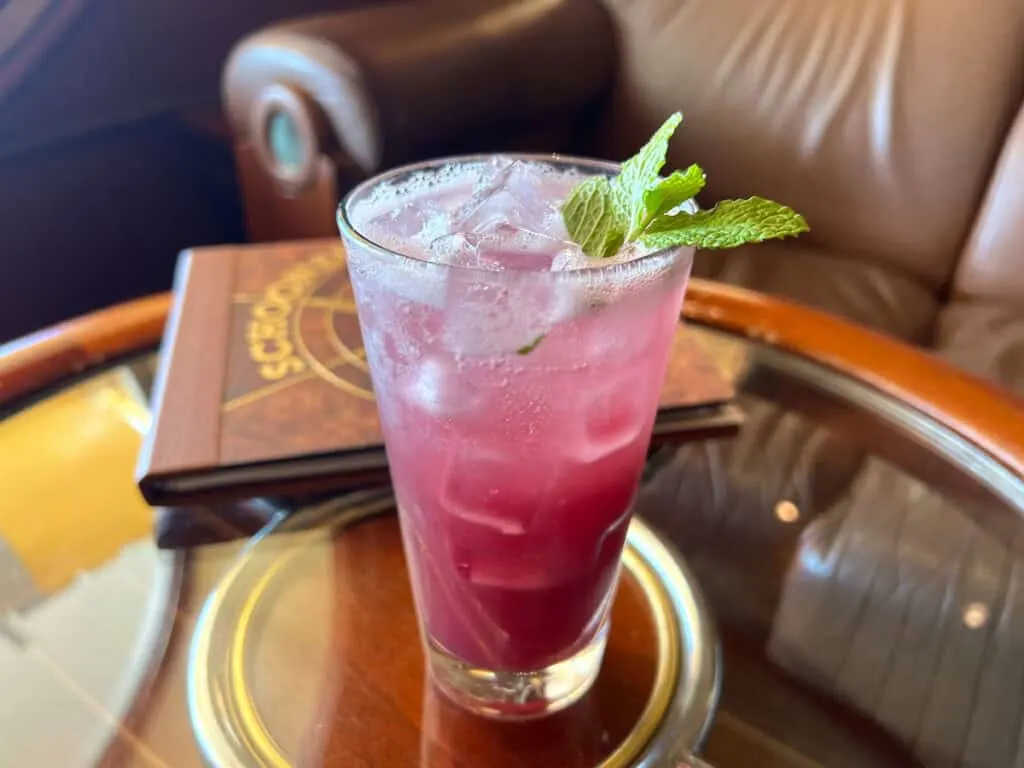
x=602, y=214
x=528, y=348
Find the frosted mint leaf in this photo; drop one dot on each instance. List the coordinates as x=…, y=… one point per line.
x=727, y=225
x=672, y=192
x=593, y=219
x=640, y=173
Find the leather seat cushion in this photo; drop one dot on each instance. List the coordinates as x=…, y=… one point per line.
x=873, y=296
x=985, y=339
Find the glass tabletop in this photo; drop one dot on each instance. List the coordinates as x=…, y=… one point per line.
x=859, y=561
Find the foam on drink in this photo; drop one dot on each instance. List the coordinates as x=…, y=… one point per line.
x=496, y=214
x=496, y=198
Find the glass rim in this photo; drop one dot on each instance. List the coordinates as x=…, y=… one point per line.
x=349, y=229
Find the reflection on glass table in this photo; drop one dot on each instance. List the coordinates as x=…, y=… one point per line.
x=86, y=601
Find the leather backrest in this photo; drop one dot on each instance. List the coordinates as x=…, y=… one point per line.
x=880, y=120
x=992, y=267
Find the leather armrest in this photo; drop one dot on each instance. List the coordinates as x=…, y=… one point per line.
x=405, y=80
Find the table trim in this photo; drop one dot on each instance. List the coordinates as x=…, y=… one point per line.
x=41, y=359
x=988, y=417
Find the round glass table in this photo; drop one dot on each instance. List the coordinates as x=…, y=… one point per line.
x=838, y=583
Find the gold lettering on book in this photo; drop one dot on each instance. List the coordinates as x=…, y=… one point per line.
x=266, y=334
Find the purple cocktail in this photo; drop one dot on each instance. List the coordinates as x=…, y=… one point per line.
x=517, y=382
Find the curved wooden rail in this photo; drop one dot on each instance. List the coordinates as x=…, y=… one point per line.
x=985, y=415
x=40, y=359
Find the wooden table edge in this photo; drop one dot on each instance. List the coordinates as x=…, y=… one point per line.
x=42, y=358
x=990, y=418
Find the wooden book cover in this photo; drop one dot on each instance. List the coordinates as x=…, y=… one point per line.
x=262, y=385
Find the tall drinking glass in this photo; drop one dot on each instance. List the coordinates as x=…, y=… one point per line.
x=517, y=383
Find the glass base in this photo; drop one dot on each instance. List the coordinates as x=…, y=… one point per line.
x=512, y=695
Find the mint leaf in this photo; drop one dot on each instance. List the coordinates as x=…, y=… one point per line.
x=672, y=192
x=727, y=225
x=593, y=219
x=602, y=214
x=528, y=348
x=640, y=172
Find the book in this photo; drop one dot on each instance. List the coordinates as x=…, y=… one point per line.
x=262, y=386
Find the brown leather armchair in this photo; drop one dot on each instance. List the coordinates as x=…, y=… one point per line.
x=113, y=153
x=897, y=128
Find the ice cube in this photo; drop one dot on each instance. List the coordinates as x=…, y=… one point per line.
x=522, y=249
x=438, y=389
x=460, y=249
x=488, y=320
x=521, y=563
x=512, y=195
x=587, y=294
x=500, y=314
x=477, y=490
x=506, y=526
x=614, y=417
x=571, y=258
x=505, y=248
x=526, y=572
x=418, y=221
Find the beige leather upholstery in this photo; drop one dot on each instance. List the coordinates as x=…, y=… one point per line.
x=878, y=119
x=986, y=339
x=992, y=266
x=869, y=294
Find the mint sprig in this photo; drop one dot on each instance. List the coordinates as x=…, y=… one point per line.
x=638, y=205
x=727, y=225
x=594, y=218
